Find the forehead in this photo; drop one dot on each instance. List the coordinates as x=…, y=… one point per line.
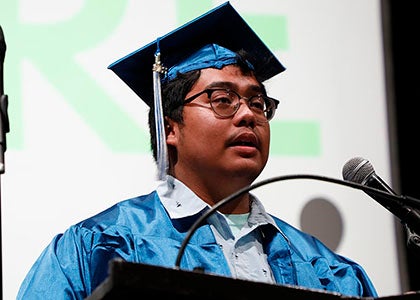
x=229, y=76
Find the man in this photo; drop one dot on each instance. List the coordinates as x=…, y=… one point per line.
x=210, y=135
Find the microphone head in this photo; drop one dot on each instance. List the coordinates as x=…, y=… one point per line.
x=2, y=46
x=357, y=170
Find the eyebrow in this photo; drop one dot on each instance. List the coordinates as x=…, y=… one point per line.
x=232, y=86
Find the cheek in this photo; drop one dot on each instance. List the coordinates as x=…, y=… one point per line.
x=207, y=132
x=202, y=124
x=265, y=141
x=201, y=130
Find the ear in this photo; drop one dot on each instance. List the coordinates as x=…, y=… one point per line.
x=171, y=130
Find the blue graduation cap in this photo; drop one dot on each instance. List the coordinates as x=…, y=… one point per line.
x=209, y=41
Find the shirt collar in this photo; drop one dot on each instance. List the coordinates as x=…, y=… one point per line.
x=178, y=200
x=258, y=214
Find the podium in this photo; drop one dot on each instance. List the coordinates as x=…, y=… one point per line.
x=139, y=281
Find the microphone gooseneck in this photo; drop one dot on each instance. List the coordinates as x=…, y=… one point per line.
x=374, y=192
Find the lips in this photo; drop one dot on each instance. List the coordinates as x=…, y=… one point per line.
x=245, y=139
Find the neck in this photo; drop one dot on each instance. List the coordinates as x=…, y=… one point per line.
x=212, y=191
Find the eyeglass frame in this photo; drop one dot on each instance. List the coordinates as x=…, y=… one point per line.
x=210, y=91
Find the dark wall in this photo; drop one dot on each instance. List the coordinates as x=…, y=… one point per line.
x=402, y=34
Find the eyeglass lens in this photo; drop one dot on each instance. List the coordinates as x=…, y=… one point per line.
x=226, y=103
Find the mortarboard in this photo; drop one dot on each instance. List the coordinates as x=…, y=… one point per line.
x=221, y=25
x=177, y=50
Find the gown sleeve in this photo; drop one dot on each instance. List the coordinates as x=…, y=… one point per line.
x=62, y=269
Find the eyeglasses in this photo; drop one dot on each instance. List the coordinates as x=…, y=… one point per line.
x=225, y=103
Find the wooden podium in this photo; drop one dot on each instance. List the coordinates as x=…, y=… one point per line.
x=134, y=281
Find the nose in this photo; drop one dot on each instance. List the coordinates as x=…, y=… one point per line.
x=244, y=115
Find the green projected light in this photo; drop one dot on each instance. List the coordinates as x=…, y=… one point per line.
x=295, y=138
x=52, y=50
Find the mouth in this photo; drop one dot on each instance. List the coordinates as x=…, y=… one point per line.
x=245, y=140
x=243, y=143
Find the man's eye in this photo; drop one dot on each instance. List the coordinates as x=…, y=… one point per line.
x=225, y=100
x=257, y=103
x=221, y=99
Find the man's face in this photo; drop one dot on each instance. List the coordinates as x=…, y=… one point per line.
x=215, y=148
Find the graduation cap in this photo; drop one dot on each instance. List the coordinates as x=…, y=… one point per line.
x=209, y=40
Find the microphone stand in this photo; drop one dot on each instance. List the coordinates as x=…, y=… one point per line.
x=413, y=240
x=4, y=128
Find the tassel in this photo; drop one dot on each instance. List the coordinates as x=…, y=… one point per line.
x=162, y=151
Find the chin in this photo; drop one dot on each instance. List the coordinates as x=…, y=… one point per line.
x=249, y=173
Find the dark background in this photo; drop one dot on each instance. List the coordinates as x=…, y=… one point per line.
x=402, y=54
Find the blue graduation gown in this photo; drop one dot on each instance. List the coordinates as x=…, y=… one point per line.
x=140, y=230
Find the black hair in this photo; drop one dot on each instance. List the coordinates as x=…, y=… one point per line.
x=173, y=95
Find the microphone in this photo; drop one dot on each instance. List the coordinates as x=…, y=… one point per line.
x=361, y=171
x=2, y=55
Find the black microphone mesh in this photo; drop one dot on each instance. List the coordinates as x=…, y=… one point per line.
x=2, y=46
x=357, y=170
